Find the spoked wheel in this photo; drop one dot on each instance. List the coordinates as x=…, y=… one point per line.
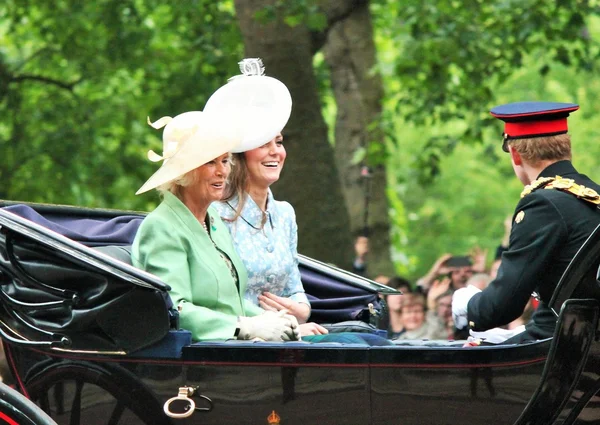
x=16, y=409
x=81, y=393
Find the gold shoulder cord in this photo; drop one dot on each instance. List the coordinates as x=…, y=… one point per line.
x=536, y=185
x=581, y=192
x=565, y=185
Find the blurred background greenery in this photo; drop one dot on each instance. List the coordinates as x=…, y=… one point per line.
x=78, y=79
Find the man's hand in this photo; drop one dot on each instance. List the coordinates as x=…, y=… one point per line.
x=272, y=302
x=460, y=301
x=270, y=326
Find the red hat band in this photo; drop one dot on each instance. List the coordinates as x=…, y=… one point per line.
x=514, y=130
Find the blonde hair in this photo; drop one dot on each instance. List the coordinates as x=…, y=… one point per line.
x=174, y=186
x=537, y=149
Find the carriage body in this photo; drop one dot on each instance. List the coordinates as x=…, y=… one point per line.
x=125, y=364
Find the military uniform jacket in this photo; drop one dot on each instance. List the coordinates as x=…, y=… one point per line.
x=172, y=244
x=549, y=226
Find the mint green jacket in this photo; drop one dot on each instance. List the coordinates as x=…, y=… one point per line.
x=172, y=244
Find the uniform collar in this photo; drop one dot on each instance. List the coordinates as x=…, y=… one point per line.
x=560, y=168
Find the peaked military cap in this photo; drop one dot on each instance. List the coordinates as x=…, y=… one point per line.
x=524, y=120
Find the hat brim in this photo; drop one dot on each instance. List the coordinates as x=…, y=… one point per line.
x=215, y=136
x=260, y=105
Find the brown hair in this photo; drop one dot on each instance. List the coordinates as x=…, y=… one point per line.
x=238, y=180
x=534, y=150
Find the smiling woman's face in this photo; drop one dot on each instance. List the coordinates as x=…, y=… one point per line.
x=266, y=162
x=210, y=178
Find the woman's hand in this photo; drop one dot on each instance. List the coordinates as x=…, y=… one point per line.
x=269, y=326
x=312, y=329
x=273, y=302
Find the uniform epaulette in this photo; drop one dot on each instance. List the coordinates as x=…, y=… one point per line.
x=569, y=185
x=565, y=185
x=536, y=185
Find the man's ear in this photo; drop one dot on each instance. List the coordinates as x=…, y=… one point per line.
x=516, y=158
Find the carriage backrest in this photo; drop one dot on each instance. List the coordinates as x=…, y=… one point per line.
x=581, y=278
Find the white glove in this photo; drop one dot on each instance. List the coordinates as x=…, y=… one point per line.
x=460, y=301
x=270, y=326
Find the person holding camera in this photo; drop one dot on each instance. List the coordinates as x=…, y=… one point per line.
x=457, y=268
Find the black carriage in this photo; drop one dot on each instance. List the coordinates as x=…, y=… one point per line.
x=92, y=340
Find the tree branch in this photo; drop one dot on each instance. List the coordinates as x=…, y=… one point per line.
x=46, y=80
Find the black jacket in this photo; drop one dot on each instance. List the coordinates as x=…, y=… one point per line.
x=553, y=226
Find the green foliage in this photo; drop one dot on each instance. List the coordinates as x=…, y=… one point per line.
x=445, y=58
x=475, y=188
x=463, y=208
x=445, y=64
x=78, y=79
x=452, y=54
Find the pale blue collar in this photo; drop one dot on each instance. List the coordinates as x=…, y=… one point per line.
x=251, y=213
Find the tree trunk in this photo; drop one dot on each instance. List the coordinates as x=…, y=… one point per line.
x=310, y=180
x=351, y=55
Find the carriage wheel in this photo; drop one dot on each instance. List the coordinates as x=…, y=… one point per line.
x=16, y=409
x=79, y=393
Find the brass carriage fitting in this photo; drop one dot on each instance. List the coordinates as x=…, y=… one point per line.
x=184, y=394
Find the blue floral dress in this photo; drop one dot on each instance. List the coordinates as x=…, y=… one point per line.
x=269, y=252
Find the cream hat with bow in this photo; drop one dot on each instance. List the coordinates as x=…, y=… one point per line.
x=190, y=140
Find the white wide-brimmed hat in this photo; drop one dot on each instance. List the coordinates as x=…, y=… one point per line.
x=190, y=140
x=261, y=105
